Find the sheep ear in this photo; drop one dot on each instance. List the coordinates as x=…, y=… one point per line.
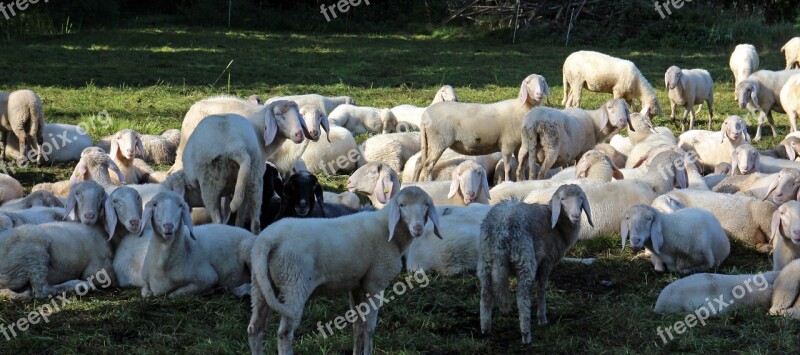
x=71, y=207
x=147, y=215
x=624, y=232
x=485, y=185
x=616, y=174
x=6, y=222
x=790, y=152
x=655, y=234
x=270, y=126
x=682, y=79
x=772, y=187
x=681, y=177
x=754, y=97
x=523, y=92
x=139, y=146
x=724, y=129
x=555, y=207
x=111, y=217
x=586, y=209
x=434, y=219
x=666, y=81
x=454, y=184
x=383, y=189
x=734, y=162
x=113, y=166
x=186, y=215
x=394, y=217
x=79, y=174
x=776, y=225
x=304, y=127
x=603, y=117
x=326, y=125
x=546, y=89
x=641, y=161
x=114, y=146
x=320, y=198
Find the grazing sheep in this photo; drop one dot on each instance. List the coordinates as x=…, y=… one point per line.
x=193, y=263
x=10, y=188
x=689, y=240
x=409, y=117
x=528, y=239
x=742, y=217
x=360, y=120
x=468, y=184
x=556, y=138
x=289, y=153
x=785, y=291
x=743, y=62
x=760, y=93
x=394, y=149
x=712, y=148
x=338, y=156
x=235, y=168
x=34, y=199
x=448, y=162
x=63, y=143
x=788, y=148
x=21, y=113
x=327, y=104
x=695, y=294
x=689, y=87
x=350, y=254
x=463, y=127
x=792, y=52
x=599, y=72
x=790, y=98
x=786, y=234
x=377, y=180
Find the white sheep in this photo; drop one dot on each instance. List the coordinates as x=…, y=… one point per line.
x=358, y=119
x=686, y=88
x=158, y=149
x=689, y=240
x=712, y=148
x=792, y=52
x=599, y=72
x=92, y=166
x=394, y=149
x=697, y=294
x=785, y=234
x=743, y=62
x=760, y=93
x=448, y=162
x=377, y=180
x=124, y=145
x=745, y=160
x=326, y=103
x=556, y=138
x=409, y=117
x=62, y=143
x=790, y=99
x=463, y=127
x=289, y=153
x=36, y=215
x=40, y=198
x=785, y=291
x=349, y=254
x=10, y=188
x=185, y=260
x=345, y=198
x=340, y=155
x=22, y=115
x=529, y=239
x=617, y=157
x=469, y=184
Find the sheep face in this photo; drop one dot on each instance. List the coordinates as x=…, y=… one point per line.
x=471, y=179
x=569, y=201
x=792, y=147
x=596, y=159
x=287, y=121
x=374, y=178
x=672, y=77
x=641, y=123
x=389, y=121
x=168, y=213
x=786, y=187
x=734, y=127
x=445, y=93
x=125, y=143
x=786, y=222
x=747, y=91
x=640, y=223
x=123, y=205
x=616, y=112
x=92, y=150
x=300, y=192
x=314, y=118
x=349, y=101
x=533, y=89
x=746, y=159
x=414, y=207
x=85, y=200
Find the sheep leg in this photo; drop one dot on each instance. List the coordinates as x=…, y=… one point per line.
x=550, y=156
x=761, y=119
x=522, y=155
x=258, y=320
x=210, y=192
x=710, y=104
x=286, y=334
x=771, y=123
x=542, y=276
x=792, y=120
x=507, y=153
x=369, y=328
x=430, y=163
x=7, y=293
x=23, y=148
x=487, y=297
x=195, y=288
x=4, y=138
x=658, y=264
x=526, y=272
x=253, y=202
x=672, y=108
x=683, y=119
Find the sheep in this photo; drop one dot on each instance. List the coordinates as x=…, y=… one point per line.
x=785, y=234
x=36, y=215
x=235, y=167
x=299, y=195
x=743, y=62
x=468, y=184
x=689, y=87
x=358, y=119
x=613, y=198
x=124, y=145
x=617, y=157
x=156, y=149
x=785, y=187
x=745, y=160
x=463, y=127
x=270, y=199
x=792, y=52
x=340, y=155
x=10, y=188
x=92, y=166
x=500, y=178
x=515, y=236
x=377, y=180
x=788, y=148
x=555, y=138
x=180, y=263
x=356, y=259
x=712, y=148
x=327, y=104
x=409, y=117
x=689, y=240
x=696, y=294
x=790, y=97
x=641, y=151
x=760, y=93
x=345, y=198
x=288, y=153
x=35, y=199
x=722, y=169
x=742, y=217
x=394, y=149
x=448, y=162
x=21, y=113
x=272, y=123
x=785, y=292
x=602, y=73
x=64, y=143
x=755, y=184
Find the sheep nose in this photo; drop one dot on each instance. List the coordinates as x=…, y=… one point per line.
x=575, y=216
x=298, y=135
x=417, y=228
x=134, y=223
x=168, y=227
x=89, y=215
x=471, y=194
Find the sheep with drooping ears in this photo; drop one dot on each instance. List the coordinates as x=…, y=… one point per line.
x=760, y=93
x=743, y=62
x=786, y=234
x=326, y=103
x=687, y=88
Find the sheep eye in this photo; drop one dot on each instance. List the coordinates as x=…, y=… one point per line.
x=401, y=205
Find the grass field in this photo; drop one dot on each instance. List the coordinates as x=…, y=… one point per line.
x=147, y=78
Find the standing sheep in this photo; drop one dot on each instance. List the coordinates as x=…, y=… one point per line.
x=689, y=87
x=792, y=52
x=599, y=72
x=743, y=62
x=463, y=127
x=21, y=113
x=409, y=117
x=760, y=93
x=790, y=99
x=358, y=119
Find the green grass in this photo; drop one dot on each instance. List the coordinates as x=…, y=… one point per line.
x=147, y=79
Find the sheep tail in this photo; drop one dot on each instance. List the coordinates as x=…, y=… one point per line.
x=566, y=88
x=242, y=178
x=267, y=286
x=501, y=270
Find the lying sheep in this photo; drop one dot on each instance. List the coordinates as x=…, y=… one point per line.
x=21, y=113
x=792, y=52
x=409, y=117
x=448, y=162
x=340, y=155
x=36, y=215
x=34, y=199
x=602, y=73
x=93, y=167
x=689, y=87
x=300, y=194
x=617, y=157
x=788, y=148
x=712, y=148
x=358, y=119
x=345, y=198
x=377, y=180
x=62, y=143
x=745, y=160
x=528, y=239
x=284, y=283
x=785, y=187
x=468, y=184
x=785, y=292
x=743, y=62
x=463, y=127
x=790, y=97
x=289, y=153
x=689, y=240
x=124, y=145
x=555, y=138
x=394, y=149
x=695, y=294
x=760, y=93
x=786, y=234
x=327, y=104
x=194, y=263
x=10, y=188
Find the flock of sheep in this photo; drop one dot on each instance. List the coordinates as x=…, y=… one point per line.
x=232, y=210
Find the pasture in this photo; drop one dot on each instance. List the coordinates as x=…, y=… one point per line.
x=147, y=78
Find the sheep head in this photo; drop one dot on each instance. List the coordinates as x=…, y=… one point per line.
x=389, y=121
x=375, y=178
x=414, y=207
x=300, y=192
x=532, y=90
x=283, y=116
x=568, y=201
x=123, y=204
x=734, y=128
x=85, y=200
x=255, y=99
x=596, y=159
x=666, y=204
x=787, y=219
x=168, y=213
x=314, y=118
x=445, y=93
x=471, y=179
x=786, y=186
x=673, y=77
x=641, y=223
x=615, y=112
x=746, y=158
x=125, y=143
x=792, y=147
x=747, y=90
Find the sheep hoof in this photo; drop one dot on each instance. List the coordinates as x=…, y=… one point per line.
x=526, y=338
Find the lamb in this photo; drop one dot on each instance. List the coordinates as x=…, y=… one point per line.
x=288, y=153
x=462, y=127
x=712, y=148
x=35, y=199
x=469, y=184
x=91, y=167
x=689, y=240
x=555, y=138
x=599, y=72
x=327, y=104
x=790, y=97
x=340, y=155
x=792, y=52
x=515, y=236
x=235, y=167
x=788, y=148
x=181, y=263
x=358, y=119
x=409, y=117
x=64, y=143
x=742, y=217
x=299, y=195
x=695, y=294
x=357, y=259
x=689, y=87
x=785, y=234
x=448, y=162
x=743, y=62
x=785, y=292
x=763, y=88
x=272, y=123
x=377, y=180
x=21, y=113
x=10, y=188
x=394, y=149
